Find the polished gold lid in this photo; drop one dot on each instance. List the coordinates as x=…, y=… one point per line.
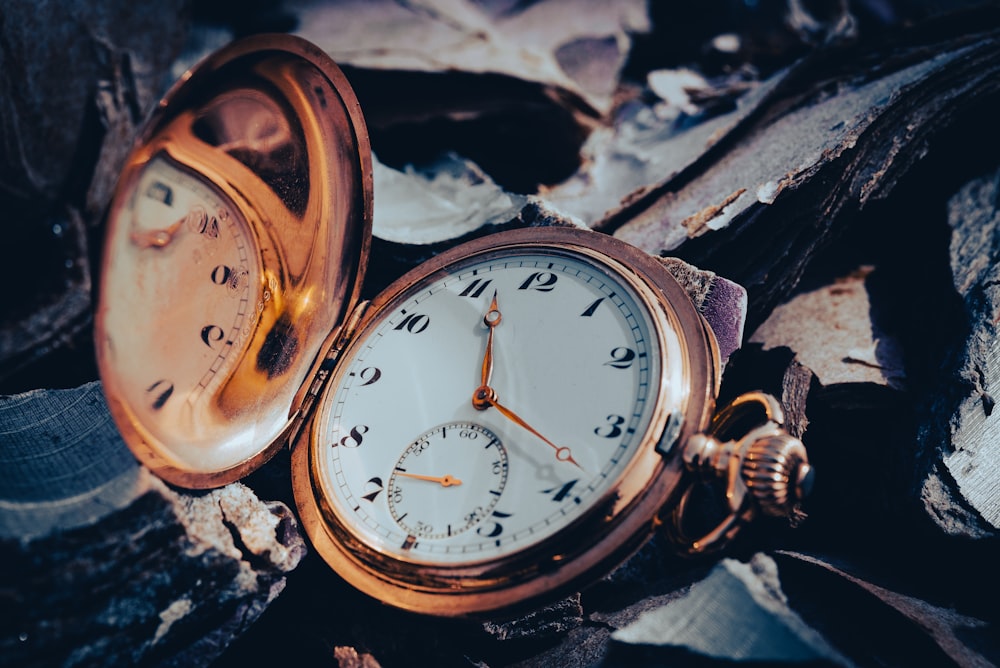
x=266, y=142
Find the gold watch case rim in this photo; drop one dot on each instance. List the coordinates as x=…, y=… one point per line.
x=554, y=567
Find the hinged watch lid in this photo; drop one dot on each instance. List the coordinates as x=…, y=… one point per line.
x=236, y=243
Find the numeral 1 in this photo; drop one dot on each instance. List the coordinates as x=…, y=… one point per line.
x=589, y=311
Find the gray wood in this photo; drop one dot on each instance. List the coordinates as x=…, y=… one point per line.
x=76, y=81
x=105, y=564
x=737, y=613
x=954, y=635
x=760, y=205
x=960, y=435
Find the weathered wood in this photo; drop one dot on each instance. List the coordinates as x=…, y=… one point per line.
x=578, y=47
x=513, y=86
x=831, y=331
x=72, y=95
x=768, y=197
x=788, y=169
x=886, y=626
x=104, y=564
x=960, y=434
x=737, y=613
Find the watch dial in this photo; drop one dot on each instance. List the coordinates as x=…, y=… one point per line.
x=491, y=405
x=181, y=298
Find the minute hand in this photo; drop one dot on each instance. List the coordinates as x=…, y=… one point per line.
x=563, y=453
x=485, y=396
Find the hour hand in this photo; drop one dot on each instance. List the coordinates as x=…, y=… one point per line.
x=446, y=480
x=491, y=320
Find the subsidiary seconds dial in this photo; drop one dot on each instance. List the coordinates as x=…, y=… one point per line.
x=447, y=481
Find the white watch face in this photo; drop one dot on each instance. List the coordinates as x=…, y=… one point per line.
x=492, y=405
x=181, y=298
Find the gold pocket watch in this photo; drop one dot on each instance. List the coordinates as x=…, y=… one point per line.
x=502, y=425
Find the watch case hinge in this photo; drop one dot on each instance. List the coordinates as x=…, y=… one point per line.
x=340, y=337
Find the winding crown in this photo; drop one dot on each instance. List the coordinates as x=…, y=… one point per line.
x=776, y=471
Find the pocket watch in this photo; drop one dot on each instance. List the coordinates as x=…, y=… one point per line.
x=502, y=425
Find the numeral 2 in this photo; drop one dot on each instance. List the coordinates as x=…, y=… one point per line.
x=621, y=358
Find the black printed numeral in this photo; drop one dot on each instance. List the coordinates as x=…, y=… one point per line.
x=414, y=323
x=621, y=358
x=369, y=374
x=493, y=528
x=160, y=391
x=229, y=276
x=475, y=288
x=212, y=334
x=354, y=439
x=221, y=274
x=557, y=494
x=613, y=428
x=160, y=192
x=372, y=489
x=542, y=281
x=590, y=310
